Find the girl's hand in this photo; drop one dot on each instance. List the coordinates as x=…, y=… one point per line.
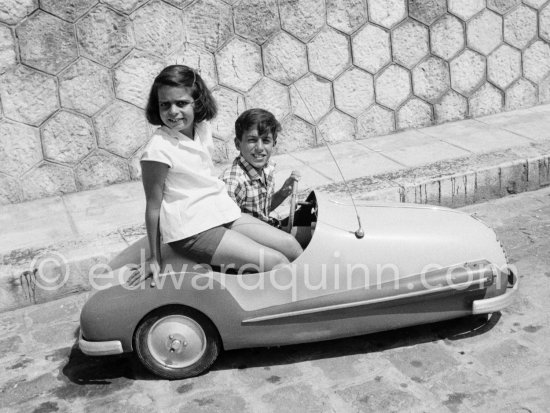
x=141, y=273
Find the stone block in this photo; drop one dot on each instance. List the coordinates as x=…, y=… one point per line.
x=292, y=398
x=514, y=177
x=354, y=91
x=311, y=98
x=431, y=79
x=336, y=127
x=208, y=23
x=414, y=114
x=134, y=163
x=8, y=57
x=504, y=66
x=544, y=171
x=125, y=6
x=375, y=121
x=393, y=86
x=121, y=129
x=544, y=23
x=216, y=401
x=46, y=42
x=488, y=185
x=101, y=169
x=239, y=64
x=295, y=135
x=10, y=191
x=465, y=9
x=427, y=11
x=347, y=15
x=285, y=58
x=197, y=58
x=269, y=95
x=535, y=61
x=230, y=106
x=520, y=26
x=328, y=53
x=410, y=43
x=302, y=18
x=467, y=72
x=134, y=76
x=387, y=13
x=104, y=35
x=70, y=10
x=452, y=106
x=457, y=191
x=447, y=37
x=502, y=6
x=544, y=91
x=522, y=94
x=67, y=138
x=247, y=15
x=180, y=4
x=85, y=87
x=19, y=148
x=484, y=32
x=224, y=152
x=533, y=174
x=158, y=28
x=13, y=11
x=27, y=95
x=46, y=180
x=371, y=48
x=536, y=4
x=486, y=101
x=428, y=193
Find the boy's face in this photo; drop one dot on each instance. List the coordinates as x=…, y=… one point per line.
x=255, y=149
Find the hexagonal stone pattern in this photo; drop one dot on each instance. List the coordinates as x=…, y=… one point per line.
x=101, y=169
x=522, y=94
x=537, y=4
x=336, y=127
x=374, y=122
x=47, y=179
x=410, y=43
x=535, y=61
x=311, y=98
x=85, y=86
x=233, y=105
x=447, y=37
x=467, y=72
x=544, y=91
x=484, y=32
x=427, y=11
x=544, y=23
x=431, y=79
x=69, y=10
x=158, y=28
x=19, y=148
x=302, y=18
x=285, y=58
x=393, y=86
x=328, y=53
x=239, y=64
x=104, y=35
x=248, y=14
x=296, y=134
x=346, y=15
x=67, y=137
x=47, y=43
x=27, y=95
x=520, y=26
x=354, y=91
x=180, y=4
x=504, y=66
x=121, y=129
x=371, y=48
x=8, y=57
x=387, y=13
x=134, y=77
x=486, y=101
x=13, y=11
x=465, y=9
x=125, y=6
x=502, y=6
x=208, y=23
x=451, y=107
x=197, y=58
x=10, y=192
x=414, y=114
x=269, y=95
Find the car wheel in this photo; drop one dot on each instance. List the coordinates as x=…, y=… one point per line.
x=176, y=342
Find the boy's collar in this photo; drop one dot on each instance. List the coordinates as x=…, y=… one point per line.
x=252, y=172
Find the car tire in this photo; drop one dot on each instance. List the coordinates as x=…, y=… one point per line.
x=176, y=342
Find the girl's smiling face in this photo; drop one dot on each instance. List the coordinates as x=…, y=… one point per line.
x=176, y=108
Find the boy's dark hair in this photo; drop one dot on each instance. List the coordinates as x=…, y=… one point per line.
x=264, y=121
x=205, y=107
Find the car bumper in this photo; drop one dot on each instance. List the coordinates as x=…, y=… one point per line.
x=491, y=305
x=99, y=348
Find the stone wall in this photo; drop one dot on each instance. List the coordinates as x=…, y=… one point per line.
x=74, y=75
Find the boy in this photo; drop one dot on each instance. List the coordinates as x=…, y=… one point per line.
x=249, y=181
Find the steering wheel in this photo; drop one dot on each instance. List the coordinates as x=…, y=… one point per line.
x=292, y=206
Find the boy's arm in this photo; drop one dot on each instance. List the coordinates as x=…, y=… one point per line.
x=285, y=191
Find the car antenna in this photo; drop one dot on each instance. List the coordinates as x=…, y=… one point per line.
x=359, y=233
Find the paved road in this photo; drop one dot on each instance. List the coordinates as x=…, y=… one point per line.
x=471, y=364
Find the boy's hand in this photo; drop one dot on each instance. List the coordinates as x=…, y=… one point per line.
x=286, y=189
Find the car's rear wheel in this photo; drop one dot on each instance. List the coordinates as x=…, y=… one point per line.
x=176, y=342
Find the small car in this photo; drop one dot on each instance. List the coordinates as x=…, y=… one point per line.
x=409, y=264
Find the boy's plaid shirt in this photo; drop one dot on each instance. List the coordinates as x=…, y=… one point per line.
x=250, y=191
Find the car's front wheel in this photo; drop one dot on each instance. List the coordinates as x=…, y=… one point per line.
x=176, y=342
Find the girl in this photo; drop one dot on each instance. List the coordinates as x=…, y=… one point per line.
x=187, y=205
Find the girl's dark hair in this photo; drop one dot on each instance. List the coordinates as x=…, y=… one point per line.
x=205, y=107
x=262, y=119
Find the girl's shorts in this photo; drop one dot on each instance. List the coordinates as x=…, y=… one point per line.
x=202, y=246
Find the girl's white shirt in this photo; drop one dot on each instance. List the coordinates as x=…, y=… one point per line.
x=194, y=198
